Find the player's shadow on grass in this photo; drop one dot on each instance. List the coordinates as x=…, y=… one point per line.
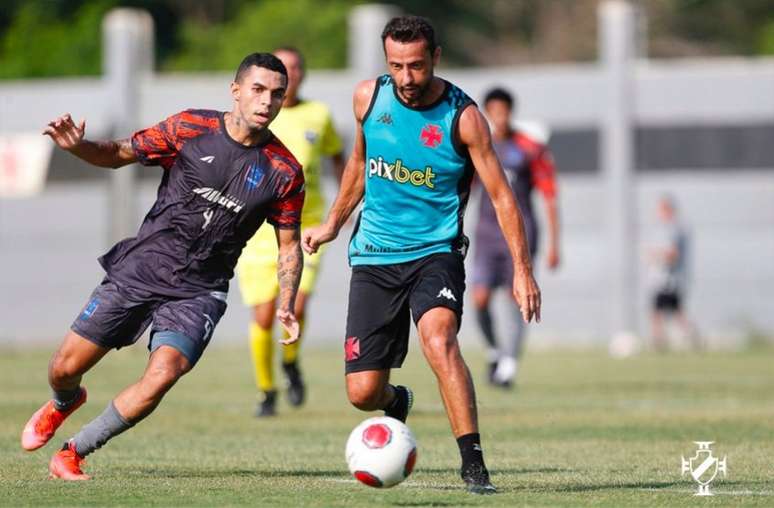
x=608, y=486
x=655, y=486
x=429, y=503
x=230, y=473
x=497, y=471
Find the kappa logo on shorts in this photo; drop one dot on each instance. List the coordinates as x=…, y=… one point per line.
x=351, y=349
x=446, y=293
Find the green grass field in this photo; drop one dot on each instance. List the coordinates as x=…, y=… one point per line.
x=581, y=429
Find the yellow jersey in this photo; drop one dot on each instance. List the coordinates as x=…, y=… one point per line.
x=306, y=129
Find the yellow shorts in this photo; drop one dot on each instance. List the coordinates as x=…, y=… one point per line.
x=257, y=269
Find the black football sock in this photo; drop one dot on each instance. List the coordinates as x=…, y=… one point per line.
x=64, y=399
x=395, y=404
x=485, y=323
x=470, y=449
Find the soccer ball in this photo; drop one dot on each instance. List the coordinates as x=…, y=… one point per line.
x=381, y=452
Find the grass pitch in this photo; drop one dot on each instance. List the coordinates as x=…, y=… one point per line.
x=581, y=429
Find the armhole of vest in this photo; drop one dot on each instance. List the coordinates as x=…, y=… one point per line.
x=377, y=86
x=456, y=142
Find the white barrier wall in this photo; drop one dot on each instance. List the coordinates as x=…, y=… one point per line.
x=49, y=245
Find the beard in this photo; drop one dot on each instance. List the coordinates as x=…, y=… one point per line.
x=415, y=92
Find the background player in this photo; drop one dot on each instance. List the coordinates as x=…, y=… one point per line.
x=306, y=128
x=669, y=257
x=224, y=174
x=528, y=165
x=416, y=138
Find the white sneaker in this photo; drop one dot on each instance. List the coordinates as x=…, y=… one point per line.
x=506, y=370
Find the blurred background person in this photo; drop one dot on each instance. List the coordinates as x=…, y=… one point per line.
x=528, y=164
x=669, y=258
x=306, y=128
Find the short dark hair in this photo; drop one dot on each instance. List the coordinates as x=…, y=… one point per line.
x=499, y=94
x=409, y=29
x=295, y=51
x=265, y=60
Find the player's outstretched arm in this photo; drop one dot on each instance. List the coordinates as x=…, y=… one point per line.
x=352, y=180
x=290, y=264
x=107, y=154
x=474, y=133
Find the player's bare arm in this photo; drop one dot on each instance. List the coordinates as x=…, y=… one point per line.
x=69, y=136
x=290, y=264
x=552, y=214
x=352, y=180
x=474, y=133
x=339, y=163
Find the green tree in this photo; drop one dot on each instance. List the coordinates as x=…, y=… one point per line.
x=45, y=39
x=318, y=29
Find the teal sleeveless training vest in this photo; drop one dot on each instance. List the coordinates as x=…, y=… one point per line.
x=417, y=178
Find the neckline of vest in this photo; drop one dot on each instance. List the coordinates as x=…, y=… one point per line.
x=446, y=88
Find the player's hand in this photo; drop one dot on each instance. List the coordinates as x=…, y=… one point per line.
x=552, y=260
x=289, y=322
x=527, y=294
x=313, y=237
x=65, y=133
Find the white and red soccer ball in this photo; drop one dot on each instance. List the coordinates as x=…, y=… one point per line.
x=381, y=452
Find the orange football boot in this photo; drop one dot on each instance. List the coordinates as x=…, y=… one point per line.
x=43, y=424
x=66, y=464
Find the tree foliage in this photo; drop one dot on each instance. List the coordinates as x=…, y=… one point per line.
x=63, y=37
x=318, y=29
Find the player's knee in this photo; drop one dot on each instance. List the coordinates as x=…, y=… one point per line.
x=62, y=368
x=299, y=307
x=263, y=314
x=159, y=378
x=480, y=297
x=441, y=349
x=364, y=398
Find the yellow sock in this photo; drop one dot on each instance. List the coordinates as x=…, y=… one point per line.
x=262, y=348
x=290, y=352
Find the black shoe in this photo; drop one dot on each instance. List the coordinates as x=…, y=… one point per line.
x=296, y=387
x=400, y=407
x=268, y=406
x=491, y=368
x=476, y=479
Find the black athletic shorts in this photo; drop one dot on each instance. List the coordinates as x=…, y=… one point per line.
x=116, y=316
x=667, y=301
x=381, y=297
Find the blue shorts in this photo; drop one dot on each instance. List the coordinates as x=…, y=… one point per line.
x=116, y=316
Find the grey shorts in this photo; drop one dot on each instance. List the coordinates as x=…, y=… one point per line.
x=116, y=316
x=493, y=264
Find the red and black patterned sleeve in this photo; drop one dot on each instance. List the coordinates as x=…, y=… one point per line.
x=544, y=173
x=541, y=164
x=159, y=145
x=285, y=211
